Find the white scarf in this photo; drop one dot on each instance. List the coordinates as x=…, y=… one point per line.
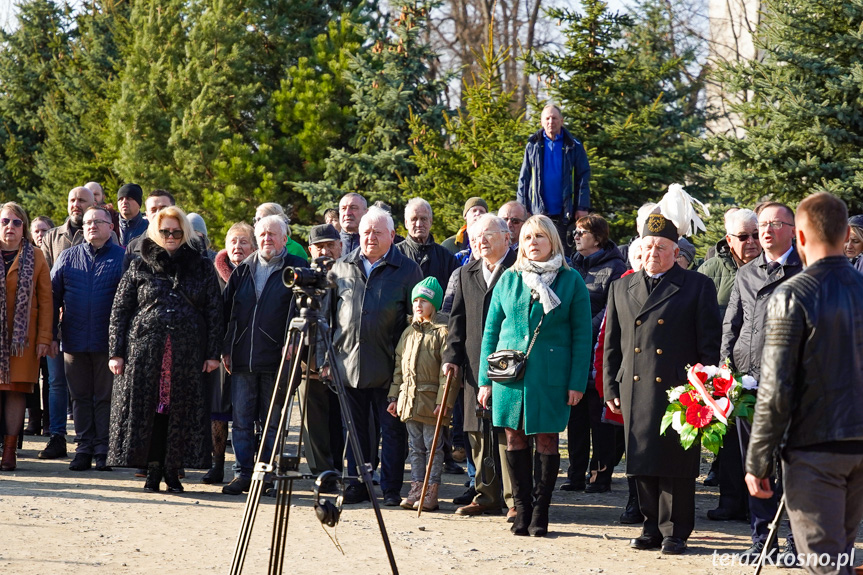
x=539, y=276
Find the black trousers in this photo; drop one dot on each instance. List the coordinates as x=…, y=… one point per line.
x=668, y=505
x=733, y=494
x=761, y=511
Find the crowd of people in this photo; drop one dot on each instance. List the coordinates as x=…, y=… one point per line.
x=160, y=342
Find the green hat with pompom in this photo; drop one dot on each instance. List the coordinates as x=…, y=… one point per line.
x=429, y=289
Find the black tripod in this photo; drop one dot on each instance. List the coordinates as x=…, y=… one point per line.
x=282, y=467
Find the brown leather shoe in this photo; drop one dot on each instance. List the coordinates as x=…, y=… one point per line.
x=474, y=508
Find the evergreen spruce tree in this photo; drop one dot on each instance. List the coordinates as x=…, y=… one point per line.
x=478, y=153
x=389, y=83
x=149, y=101
x=77, y=148
x=29, y=59
x=800, y=107
x=626, y=95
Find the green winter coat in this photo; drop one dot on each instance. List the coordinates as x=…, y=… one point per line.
x=722, y=269
x=560, y=359
x=417, y=379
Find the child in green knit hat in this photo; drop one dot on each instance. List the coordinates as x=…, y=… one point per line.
x=417, y=390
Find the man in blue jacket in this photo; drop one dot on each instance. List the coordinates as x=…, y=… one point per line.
x=555, y=175
x=84, y=280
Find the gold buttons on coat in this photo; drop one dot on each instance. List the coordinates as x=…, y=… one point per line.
x=638, y=322
x=660, y=321
x=658, y=380
x=637, y=350
x=658, y=352
x=636, y=378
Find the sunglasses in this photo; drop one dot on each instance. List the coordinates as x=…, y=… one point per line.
x=579, y=233
x=176, y=234
x=16, y=223
x=515, y=221
x=745, y=237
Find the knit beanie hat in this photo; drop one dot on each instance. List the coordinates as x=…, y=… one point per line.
x=429, y=289
x=687, y=250
x=133, y=191
x=197, y=222
x=474, y=201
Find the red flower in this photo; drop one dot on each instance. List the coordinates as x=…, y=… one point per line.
x=690, y=398
x=721, y=387
x=702, y=375
x=699, y=415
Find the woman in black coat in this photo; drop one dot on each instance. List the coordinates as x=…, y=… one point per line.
x=599, y=262
x=166, y=330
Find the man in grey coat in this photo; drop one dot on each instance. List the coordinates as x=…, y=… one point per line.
x=372, y=303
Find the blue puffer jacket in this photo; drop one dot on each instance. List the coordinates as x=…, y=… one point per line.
x=576, y=176
x=84, y=284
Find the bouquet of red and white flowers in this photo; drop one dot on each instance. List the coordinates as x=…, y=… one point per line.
x=702, y=408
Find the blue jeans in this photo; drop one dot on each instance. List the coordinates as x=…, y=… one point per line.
x=251, y=394
x=420, y=438
x=58, y=395
x=363, y=403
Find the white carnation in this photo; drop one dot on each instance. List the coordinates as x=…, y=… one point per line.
x=675, y=393
x=710, y=370
x=749, y=382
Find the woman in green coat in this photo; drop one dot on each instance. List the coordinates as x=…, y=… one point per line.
x=539, y=286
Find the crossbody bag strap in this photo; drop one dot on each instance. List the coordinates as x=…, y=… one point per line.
x=533, y=340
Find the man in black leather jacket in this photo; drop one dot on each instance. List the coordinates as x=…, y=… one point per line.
x=810, y=398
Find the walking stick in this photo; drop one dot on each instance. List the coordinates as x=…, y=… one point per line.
x=437, y=426
x=772, y=535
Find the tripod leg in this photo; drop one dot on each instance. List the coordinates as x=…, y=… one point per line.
x=772, y=535
x=364, y=468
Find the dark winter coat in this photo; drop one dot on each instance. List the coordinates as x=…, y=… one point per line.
x=598, y=270
x=220, y=400
x=650, y=338
x=575, y=187
x=811, y=391
x=722, y=269
x=370, y=315
x=433, y=259
x=258, y=327
x=466, y=324
x=161, y=295
x=131, y=229
x=84, y=282
x=743, y=326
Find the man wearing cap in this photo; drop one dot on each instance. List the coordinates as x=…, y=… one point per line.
x=473, y=210
x=322, y=424
x=659, y=320
x=130, y=198
x=555, y=175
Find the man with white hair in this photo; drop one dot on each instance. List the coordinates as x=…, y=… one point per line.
x=258, y=308
x=739, y=246
x=555, y=174
x=372, y=301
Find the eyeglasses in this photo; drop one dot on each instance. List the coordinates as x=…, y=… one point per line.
x=515, y=221
x=176, y=234
x=95, y=222
x=579, y=233
x=490, y=235
x=16, y=223
x=745, y=237
x=773, y=225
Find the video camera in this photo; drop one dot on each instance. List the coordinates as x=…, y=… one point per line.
x=313, y=277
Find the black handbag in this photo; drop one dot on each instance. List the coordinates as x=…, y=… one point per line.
x=507, y=365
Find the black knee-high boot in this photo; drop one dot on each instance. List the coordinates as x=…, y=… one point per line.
x=549, y=466
x=632, y=514
x=521, y=474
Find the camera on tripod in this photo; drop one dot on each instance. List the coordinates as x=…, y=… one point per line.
x=313, y=277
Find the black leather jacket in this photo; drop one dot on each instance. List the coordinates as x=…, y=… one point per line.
x=811, y=388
